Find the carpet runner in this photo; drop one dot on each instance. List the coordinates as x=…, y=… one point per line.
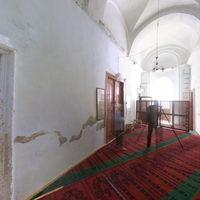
x=164, y=171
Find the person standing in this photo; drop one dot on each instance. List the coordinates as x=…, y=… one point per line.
x=152, y=120
x=119, y=126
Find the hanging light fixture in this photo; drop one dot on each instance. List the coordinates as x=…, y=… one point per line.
x=157, y=66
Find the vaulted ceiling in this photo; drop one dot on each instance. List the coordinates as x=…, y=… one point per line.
x=178, y=37
x=132, y=23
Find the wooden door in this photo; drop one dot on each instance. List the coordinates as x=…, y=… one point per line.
x=191, y=110
x=114, y=107
x=110, y=109
x=119, y=107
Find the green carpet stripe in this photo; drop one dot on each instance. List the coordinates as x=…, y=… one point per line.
x=135, y=134
x=66, y=180
x=187, y=190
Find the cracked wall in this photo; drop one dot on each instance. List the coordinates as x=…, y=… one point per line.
x=26, y=139
x=91, y=121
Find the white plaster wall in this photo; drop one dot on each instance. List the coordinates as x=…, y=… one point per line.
x=195, y=75
x=145, y=84
x=61, y=57
x=132, y=75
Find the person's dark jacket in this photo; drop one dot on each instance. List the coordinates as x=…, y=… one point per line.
x=153, y=115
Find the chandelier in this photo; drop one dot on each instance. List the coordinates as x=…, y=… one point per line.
x=157, y=66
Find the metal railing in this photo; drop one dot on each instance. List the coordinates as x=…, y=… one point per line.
x=177, y=112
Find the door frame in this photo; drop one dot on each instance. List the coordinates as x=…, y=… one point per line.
x=6, y=129
x=115, y=79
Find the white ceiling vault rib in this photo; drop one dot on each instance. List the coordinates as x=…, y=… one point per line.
x=122, y=21
x=129, y=12
x=113, y=2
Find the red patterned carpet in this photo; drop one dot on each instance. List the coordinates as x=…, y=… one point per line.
x=197, y=197
x=164, y=171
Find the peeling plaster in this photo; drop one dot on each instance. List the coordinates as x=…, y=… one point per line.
x=100, y=125
x=89, y=123
x=76, y=137
x=61, y=138
x=24, y=139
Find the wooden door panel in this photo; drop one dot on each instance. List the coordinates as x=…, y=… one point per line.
x=110, y=108
x=114, y=108
x=119, y=107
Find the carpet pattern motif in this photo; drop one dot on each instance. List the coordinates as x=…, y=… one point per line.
x=164, y=171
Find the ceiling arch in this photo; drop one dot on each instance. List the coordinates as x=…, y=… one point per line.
x=192, y=10
x=178, y=36
x=170, y=56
